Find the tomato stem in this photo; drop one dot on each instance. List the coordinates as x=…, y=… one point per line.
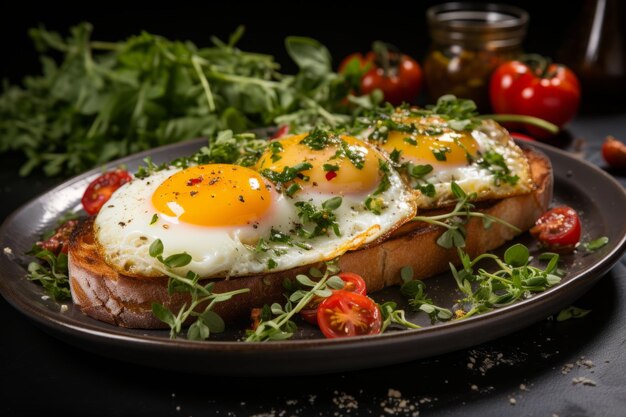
x=539, y=64
x=382, y=56
x=519, y=118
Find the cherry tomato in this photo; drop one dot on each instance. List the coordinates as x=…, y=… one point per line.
x=401, y=82
x=397, y=75
x=99, y=190
x=282, y=131
x=614, y=152
x=345, y=314
x=558, y=229
x=353, y=283
x=537, y=88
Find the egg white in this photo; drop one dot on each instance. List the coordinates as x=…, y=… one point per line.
x=124, y=232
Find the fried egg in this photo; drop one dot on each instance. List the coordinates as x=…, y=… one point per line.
x=430, y=155
x=237, y=221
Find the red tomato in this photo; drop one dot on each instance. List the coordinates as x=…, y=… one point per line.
x=558, y=229
x=345, y=314
x=401, y=82
x=353, y=283
x=535, y=88
x=614, y=152
x=282, y=131
x=99, y=190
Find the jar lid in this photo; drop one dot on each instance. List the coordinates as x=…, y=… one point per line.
x=477, y=25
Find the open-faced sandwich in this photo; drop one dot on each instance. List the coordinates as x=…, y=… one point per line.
x=404, y=190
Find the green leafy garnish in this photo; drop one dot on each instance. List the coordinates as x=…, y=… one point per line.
x=515, y=279
x=281, y=326
x=104, y=100
x=202, y=299
x=415, y=291
x=454, y=222
x=595, y=244
x=494, y=163
x=53, y=275
x=323, y=218
x=571, y=312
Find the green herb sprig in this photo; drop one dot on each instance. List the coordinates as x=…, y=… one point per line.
x=281, y=326
x=52, y=275
x=515, y=279
x=202, y=298
x=454, y=222
x=415, y=291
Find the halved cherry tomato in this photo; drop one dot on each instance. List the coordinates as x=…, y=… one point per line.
x=353, y=283
x=99, y=190
x=346, y=314
x=558, y=229
x=614, y=152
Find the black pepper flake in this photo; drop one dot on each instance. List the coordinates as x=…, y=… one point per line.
x=110, y=206
x=193, y=193
x=122, y=224
x=240, y=198
x=255, y=226
x=214, y=180
x=314, y=183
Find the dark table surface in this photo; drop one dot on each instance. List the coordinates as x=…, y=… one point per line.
x=570, y=368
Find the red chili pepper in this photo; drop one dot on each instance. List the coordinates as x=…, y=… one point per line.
x=330, y=175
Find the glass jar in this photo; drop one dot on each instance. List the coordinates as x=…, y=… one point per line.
x=469, y=41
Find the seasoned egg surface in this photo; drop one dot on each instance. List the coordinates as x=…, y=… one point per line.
x=235, y=221
x=430, y=155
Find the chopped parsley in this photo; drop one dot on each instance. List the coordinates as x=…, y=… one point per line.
x=323, y=218
x=494, y=162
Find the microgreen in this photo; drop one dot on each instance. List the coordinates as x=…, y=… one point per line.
x=516, y=279
x=571, y=312
x=595, y=244
x=202, y=298
x=53, y=275
x=281, y=326
x=415, y=291
x=455, y=221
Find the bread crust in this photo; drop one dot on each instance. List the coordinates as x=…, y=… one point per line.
x=106, y=295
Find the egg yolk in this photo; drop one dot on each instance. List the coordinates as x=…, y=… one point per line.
x=344, y=165
x=434, y=144
x=213, y=195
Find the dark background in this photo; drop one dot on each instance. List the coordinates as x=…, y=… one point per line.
x=343, y=28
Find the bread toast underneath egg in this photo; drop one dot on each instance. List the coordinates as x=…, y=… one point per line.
x=106, y=295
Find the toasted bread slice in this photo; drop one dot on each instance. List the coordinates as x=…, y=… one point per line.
x=106, y=295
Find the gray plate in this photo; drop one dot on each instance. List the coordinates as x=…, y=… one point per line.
x=599, y=199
